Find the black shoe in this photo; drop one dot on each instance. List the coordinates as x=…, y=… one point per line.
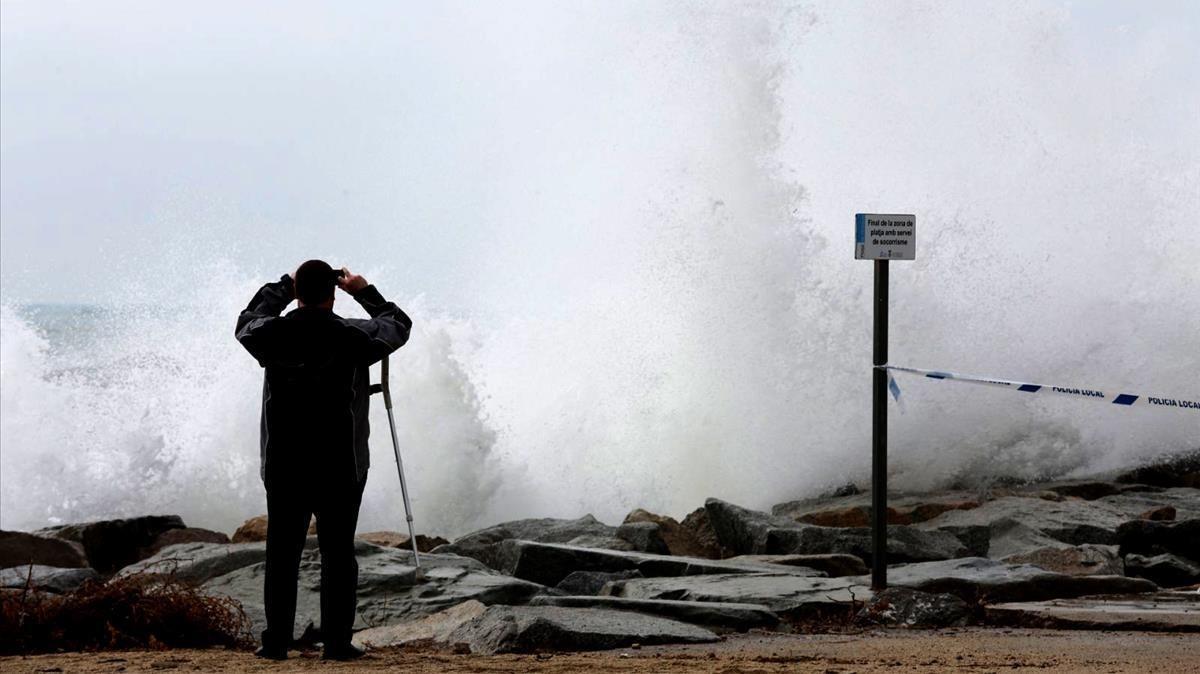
x=271, y=653
x=342, y=652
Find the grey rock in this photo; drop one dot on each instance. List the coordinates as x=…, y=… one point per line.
x=483, y=544
x=1166, y=570
x=712, y=615
x=1019, y=524
x=390, y=588
x=527, y=629
x=434, y=629
x=750, y=532
x=1185, y=502
x=644, y=536
x=785, y=594
x=904, y=543
x=186, y=535
x=20, y=549
x=1148, y=537
x=979, y=579
x=113, y=544
x=591, y=582
x=197, y=563
x=691, y=538
x=1156, y=612
x=46, y=578
x=834, y=565
x=904, y=607
x=1081, y=560
x=549, y=563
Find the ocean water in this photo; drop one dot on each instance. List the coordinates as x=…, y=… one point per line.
x=661, y=302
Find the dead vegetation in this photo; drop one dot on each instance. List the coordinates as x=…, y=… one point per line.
x=132, y=612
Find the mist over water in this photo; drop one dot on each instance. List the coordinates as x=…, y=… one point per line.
x=656, y=299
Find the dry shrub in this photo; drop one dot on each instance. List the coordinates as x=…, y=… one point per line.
x=137, y=611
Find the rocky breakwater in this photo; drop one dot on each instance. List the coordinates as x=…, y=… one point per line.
x=1016, y=555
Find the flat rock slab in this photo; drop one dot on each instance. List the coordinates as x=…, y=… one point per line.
x=197, y=563
x=46, y=578
x=390, y=588
x=834, y=565
x=713, y=615
x=433, y=629
x=1020, y=525
x=784, y=594
x=1159, y=612
x=528, y=629
x=550, y=563
x=979, y=578
x=749, y=532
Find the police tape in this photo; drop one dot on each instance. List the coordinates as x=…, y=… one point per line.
x=1124, y=399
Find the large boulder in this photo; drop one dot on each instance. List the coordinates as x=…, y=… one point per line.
x=699, y=528
x=1166, y=570
x=46, y=578
x=434, y=629
x=1081, y=560
x=1148, y=537
x=751, y=532
x=113, y=544
x=853, y=508
x=18, y=548
x=528, y=629
x=1183, y=501
x=484, y=545
x=550, y=563
x=979, y=579
x=904, y=607
x=712, y=615
x=685, y=541
x=785, y=594
x=390, y=587
x=904, y=544
x=1020, y=525
x=644, y=536
x=197, y=563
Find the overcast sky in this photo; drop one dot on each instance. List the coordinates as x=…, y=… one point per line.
x=267, y=130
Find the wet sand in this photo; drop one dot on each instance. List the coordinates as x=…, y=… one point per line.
x=962, y=650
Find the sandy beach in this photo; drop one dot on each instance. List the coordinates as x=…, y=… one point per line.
x=958, y=650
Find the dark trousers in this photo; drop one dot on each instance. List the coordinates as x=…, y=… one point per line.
x=290, y=504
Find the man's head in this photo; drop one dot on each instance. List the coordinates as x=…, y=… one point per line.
x=315, y=281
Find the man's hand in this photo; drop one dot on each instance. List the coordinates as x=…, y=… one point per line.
x=351, y=283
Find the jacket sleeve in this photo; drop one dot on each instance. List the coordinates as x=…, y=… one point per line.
x=255, y=323
x=387, y=329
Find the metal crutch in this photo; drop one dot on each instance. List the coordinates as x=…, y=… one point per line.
x=387, y=402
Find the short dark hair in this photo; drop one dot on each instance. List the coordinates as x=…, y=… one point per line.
x=315, y=281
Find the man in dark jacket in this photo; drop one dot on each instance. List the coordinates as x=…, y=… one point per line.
x=314, y=450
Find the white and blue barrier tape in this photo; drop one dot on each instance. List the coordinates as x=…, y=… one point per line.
x=1124, y=399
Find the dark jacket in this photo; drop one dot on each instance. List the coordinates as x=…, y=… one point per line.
x=316, y=389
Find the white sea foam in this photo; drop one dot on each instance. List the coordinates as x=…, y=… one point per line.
x=663, y=305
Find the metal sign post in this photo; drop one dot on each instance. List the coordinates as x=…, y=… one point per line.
x=881, y=238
